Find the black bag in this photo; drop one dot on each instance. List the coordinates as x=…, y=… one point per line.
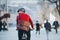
x=50, y=30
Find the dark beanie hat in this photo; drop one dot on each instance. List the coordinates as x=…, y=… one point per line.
x=21, y=9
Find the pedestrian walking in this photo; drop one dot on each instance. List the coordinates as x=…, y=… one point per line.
x=4, y=26
x=56, y=24
x=23, y=24
x=37, y=27
x=47, y=26
x=0, y=25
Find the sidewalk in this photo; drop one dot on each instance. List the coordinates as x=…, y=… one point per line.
x=12, y=34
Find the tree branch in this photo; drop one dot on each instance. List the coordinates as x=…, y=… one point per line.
x=52, y=1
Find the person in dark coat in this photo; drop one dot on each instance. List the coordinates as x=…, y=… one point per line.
x=37, y=27
x=47, y=26
x=0, y=25
x=56, y=24
x=4, y=26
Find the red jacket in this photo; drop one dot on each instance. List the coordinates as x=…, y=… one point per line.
x=24, y=17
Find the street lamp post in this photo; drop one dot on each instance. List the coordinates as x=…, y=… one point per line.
x=0, y=8
x=59, y=7
x=6, y=15
x=6, y=8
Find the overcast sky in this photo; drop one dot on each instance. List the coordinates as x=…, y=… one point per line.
x=18, y=2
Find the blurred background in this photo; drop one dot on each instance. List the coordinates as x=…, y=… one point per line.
x=38, y=10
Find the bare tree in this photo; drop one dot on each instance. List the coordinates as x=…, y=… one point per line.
x=57, y=2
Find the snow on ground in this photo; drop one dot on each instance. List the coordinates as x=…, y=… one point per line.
x=12, y=34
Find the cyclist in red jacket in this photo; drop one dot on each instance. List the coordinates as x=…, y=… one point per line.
x=23, y=22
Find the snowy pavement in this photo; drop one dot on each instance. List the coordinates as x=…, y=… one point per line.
x=12, y=34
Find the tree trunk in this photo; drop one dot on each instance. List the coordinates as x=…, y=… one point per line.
x=59, y=7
